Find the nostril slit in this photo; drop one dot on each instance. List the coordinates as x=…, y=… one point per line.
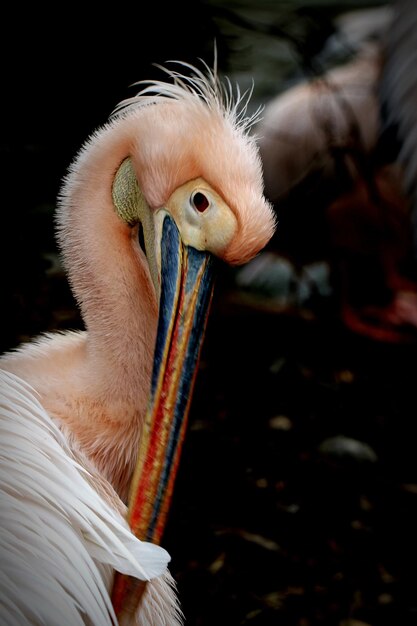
x=141, y=237
x=200, y=202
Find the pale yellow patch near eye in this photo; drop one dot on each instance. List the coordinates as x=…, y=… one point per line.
x=211, y=229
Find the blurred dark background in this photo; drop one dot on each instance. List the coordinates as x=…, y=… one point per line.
x=296, y=500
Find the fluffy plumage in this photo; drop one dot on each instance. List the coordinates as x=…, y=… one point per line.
x=93, y=385
x=53, y=523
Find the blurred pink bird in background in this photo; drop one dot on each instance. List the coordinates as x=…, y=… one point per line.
x=338, y=153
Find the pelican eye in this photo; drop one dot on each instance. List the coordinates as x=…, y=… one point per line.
x=200, y=202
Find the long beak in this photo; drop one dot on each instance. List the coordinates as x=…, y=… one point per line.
x=186, y=291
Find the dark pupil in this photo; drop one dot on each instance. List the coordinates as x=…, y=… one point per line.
x=200, y=202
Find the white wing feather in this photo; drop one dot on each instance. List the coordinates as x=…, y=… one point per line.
x=59, y=540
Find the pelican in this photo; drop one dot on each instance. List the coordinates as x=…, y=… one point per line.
x=92, y=421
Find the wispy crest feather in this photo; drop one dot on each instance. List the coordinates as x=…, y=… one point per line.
x=199, y=86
